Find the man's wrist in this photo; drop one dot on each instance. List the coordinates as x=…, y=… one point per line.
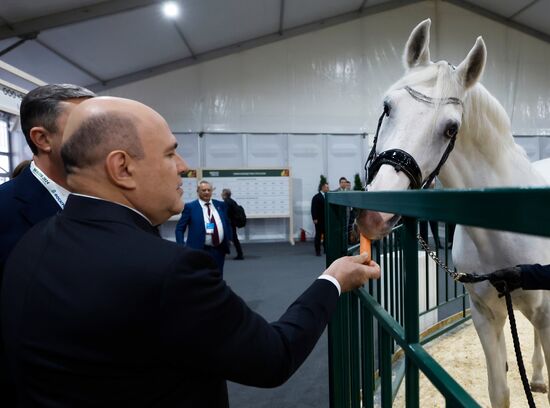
x=333, y=280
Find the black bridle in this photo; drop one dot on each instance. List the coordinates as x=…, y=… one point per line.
x=401, y=160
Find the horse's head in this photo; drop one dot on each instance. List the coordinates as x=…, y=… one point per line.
x=421, y=118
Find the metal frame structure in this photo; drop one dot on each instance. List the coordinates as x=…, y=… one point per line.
x=363, y=332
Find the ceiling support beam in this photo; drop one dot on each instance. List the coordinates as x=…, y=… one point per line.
x=69, y=61
x=77, y=15
x=246, y=45
x=180, y=33
x=17, y=44
x=499, y=19
x=282, y=17
x=521, y=10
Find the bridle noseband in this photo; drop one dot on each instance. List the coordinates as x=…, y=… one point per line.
x=401, y=160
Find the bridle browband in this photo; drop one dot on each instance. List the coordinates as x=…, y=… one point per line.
x=401, y=160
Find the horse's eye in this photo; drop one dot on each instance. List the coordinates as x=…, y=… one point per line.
x=387, y=108
x=451, y=130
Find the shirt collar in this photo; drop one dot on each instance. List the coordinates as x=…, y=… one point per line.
x=98, y=198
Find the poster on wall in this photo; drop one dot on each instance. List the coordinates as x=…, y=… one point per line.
x=189, y=179
x=263, y=193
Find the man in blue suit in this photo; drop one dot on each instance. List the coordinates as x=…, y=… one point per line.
x=40, y=190
x=208, y=223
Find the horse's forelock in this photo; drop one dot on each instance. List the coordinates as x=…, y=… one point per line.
x=437, y=76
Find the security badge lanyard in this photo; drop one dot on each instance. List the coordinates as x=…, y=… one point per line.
x=209, y=227
x=58, y=193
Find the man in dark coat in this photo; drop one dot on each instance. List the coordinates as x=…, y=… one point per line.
x=208, y=224
x=99, y=311
x=232, y=208
x=40, y=189
x=318, y=216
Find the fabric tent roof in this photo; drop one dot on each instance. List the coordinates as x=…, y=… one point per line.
x=110, y=43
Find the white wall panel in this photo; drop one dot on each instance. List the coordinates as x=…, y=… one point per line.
x=188, y=149
x=223, y=151
x=267, y=150
x=306, y=156
x=344, y=158
x=531, y=146
x=544, y=147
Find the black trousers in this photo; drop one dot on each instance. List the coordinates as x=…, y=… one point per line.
x=236, y=242
x=319, y=230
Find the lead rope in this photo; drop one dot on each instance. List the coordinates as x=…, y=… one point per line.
x=517, y=348
x=473, y=278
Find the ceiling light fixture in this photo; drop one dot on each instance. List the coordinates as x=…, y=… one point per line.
x=171, y=9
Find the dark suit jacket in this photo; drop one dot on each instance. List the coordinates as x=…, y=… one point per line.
x=23, y=202
x=99, y=311
x=318, y=208
x=192, y=217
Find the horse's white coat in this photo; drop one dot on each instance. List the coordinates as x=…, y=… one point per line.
x=485, y=155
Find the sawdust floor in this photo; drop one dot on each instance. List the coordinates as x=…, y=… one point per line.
x=459, y=352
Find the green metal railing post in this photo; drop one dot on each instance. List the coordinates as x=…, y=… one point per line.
x=412, y=330
x=338, y=329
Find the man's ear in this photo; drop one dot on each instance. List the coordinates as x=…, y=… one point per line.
x=40, y=136
x=120, y=169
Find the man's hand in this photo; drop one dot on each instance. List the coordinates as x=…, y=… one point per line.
x=351, y=272
x=506, y=279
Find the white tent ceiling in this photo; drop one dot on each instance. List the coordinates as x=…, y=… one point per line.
x=109, y=43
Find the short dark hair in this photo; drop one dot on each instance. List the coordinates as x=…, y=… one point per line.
x=40, y=107
x=99, y=135
x=342, y=178
x=226, y=192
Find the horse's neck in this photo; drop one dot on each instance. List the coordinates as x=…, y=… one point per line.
x=485, y=154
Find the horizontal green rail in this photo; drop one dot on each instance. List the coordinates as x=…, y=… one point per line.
x=507, y=209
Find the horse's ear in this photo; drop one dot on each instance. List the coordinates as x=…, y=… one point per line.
x=469, y=71
x=417, y=51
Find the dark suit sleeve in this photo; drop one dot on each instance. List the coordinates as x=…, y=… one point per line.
x=206, y=327
x=226, y=222
x=535, y=276
x=182, y=224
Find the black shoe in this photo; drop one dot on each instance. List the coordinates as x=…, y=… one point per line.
x=318, y=253
x=239, y=257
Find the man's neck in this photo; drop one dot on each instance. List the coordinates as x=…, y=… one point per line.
x=51, y=171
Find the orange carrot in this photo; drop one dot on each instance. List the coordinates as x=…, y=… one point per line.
x=364, y=246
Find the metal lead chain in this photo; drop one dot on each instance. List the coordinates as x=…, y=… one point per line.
x=433, y=254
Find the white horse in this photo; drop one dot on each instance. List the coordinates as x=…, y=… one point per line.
x=429, y=108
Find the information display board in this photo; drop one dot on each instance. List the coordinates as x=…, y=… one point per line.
x=189, y=179
x=263, y=193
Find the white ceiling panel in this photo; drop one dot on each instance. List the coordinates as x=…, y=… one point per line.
x=36, y=60
x=14, y=11
x=504, y=8
x=119, y=44
x=212, y=24
x=299, y=12
x=536, y=16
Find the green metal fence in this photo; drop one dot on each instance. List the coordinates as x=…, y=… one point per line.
x=371, y=321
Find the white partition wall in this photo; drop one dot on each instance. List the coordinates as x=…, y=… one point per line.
x=346, y=155
x=306, y=159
